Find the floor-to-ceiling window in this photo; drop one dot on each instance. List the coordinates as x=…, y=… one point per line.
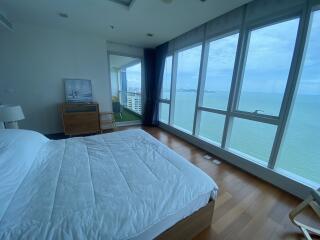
x=266, y=71
x=242, y=92
x=188, y=66
x=214, y=96
x=300, y=152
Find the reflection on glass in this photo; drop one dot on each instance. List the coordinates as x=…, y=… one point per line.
x=131, y=98
x=186, y=87
x=133, y=75
x=222, y=53
x=267, y=67
x=300, y=150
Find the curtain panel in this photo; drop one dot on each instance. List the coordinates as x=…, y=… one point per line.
x=154, y=61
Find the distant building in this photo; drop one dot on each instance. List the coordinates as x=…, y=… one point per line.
x=134, y=102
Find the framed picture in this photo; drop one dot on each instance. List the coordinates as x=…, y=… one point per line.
x=78, y=90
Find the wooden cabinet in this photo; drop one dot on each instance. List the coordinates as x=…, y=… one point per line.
x=80, y=118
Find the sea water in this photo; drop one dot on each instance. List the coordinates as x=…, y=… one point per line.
x=300, y=148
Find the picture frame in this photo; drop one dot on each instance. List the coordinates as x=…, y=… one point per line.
x=78, y=90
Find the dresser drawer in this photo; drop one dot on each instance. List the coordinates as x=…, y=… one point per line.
x=77, y=122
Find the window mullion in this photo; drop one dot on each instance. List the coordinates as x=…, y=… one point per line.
x=201, y=83
x=212, y=110
x=173, y=87
x=255, y=117
x=236, y=80
x=292, y=83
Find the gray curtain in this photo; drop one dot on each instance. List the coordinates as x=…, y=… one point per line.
x=154, y=61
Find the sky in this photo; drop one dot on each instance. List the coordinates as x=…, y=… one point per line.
x=267, y=66
x=310, y=76
x=134, y=78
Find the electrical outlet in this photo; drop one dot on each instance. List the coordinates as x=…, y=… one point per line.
x=217, y=162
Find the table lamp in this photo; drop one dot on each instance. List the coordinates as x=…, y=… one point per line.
x=10, y=114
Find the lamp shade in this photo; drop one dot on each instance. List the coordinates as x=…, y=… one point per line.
x=11, y=113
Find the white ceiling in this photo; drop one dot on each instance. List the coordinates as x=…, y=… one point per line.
x=131, y=25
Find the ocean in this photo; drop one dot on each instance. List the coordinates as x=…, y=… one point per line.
x=300, y=148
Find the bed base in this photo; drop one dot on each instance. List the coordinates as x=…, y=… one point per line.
x=191, y=226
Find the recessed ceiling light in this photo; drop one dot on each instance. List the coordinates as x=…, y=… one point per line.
x=167, y=1
x=63, y=15
x=150, y=34
x=126, y=3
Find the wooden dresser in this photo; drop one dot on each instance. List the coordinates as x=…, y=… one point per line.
x=80, y=118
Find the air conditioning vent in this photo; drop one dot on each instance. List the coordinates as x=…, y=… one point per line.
x=5, y=23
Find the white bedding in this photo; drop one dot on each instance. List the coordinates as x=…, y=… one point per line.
x=110, y=186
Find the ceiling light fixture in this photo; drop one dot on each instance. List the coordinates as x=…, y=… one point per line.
x=150, y=34
x=63, y=15
x=167, y=1
x=111, y=26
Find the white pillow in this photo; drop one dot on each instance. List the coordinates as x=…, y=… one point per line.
x=18, y=150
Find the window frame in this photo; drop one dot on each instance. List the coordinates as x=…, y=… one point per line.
x=263, y=118
x=202, y=80
x=266, y=118
x=166, y=101
x=174, y=85
x=292, y=92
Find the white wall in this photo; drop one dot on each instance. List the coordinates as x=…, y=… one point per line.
x=33, y=62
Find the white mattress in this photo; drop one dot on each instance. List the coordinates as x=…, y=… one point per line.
x=123, y=185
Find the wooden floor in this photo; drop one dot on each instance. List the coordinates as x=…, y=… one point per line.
x=247, y=207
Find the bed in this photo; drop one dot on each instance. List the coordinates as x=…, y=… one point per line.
x=121, y=185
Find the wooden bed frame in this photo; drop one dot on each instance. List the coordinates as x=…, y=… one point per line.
x=191, y=226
